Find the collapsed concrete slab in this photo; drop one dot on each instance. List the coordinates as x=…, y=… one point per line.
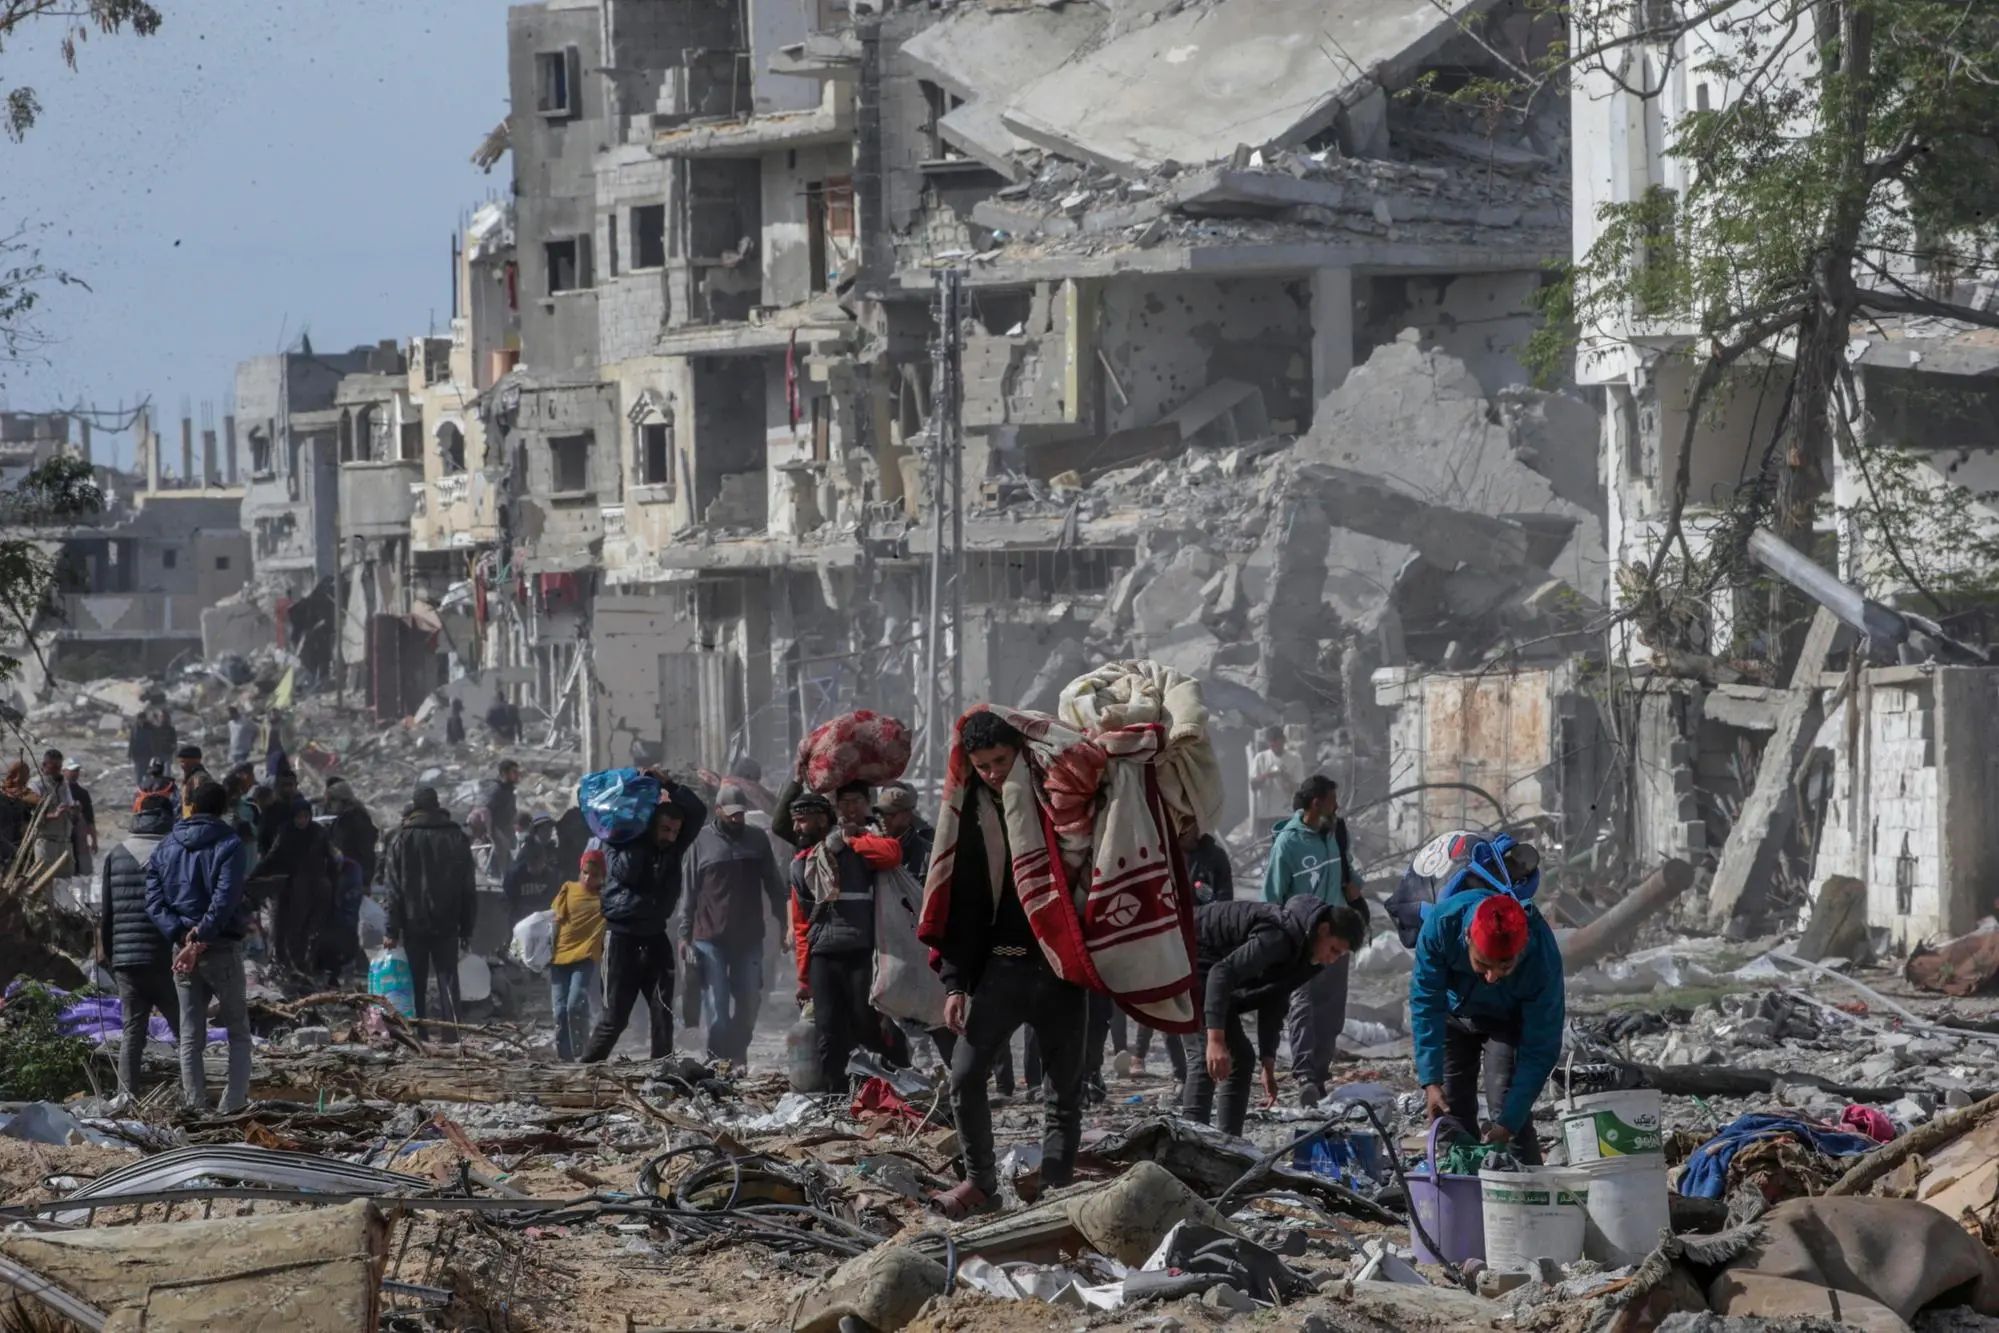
x=1193, y=86
x=1418, y=509
x=983, y=55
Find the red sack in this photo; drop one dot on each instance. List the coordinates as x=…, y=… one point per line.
x=855, y=747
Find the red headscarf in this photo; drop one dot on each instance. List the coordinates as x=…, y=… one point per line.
x=1499, y=928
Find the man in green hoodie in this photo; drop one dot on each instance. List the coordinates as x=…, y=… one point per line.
x=1311, y=856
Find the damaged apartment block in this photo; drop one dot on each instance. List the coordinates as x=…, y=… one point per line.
x=722, y=439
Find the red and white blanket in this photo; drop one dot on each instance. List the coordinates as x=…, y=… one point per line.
x=1092, y=840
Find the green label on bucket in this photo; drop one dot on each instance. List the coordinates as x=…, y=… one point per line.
x=1612, y=1136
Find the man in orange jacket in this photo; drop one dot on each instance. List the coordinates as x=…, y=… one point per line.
x=833, y=916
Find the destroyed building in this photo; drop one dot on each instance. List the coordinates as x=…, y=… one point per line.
x=724, y=515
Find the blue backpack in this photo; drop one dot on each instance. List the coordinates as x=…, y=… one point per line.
x=1456, y=861
x=617, y=803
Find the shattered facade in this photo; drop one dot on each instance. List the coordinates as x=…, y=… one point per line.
x=720, y=443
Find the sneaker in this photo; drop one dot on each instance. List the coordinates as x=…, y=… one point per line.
x=1310, y=1094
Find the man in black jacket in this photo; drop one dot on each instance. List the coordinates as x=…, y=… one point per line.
x=641, y=889
x=996, y=979
x=130, y=943
x=433, y=899
x=1250, y=957
x=836, y=915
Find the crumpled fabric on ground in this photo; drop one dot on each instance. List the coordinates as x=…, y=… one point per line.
x=1869, y=1121
x=877, y=1098
x=1812, y=1256
x=1706, y=1173
x=1968, y=965
x=1777, y=1168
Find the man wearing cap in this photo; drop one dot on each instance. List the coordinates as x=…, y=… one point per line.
x=83, y=819
x=833, y=914
x=895, y=811
x=432, y=899
x=1487, y=986
x=732, y=880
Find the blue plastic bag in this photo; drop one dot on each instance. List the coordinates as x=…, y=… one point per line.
x=617, y=803
x=389, y=977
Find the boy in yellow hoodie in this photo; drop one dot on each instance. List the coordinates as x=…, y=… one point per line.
x=579, y=945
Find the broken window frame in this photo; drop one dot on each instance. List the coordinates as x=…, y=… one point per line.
x=169, y=557
x=653, y=443
x=648, y=241
x=409, y=442
x=580, y=278
x=263, y=458
x=576, y=468
x=558, y=83
x=451, y=460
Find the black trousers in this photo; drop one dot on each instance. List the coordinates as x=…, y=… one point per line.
x=1200, y=1097
x=1030, y=1060
x=1176, y=1050
x=634, y=965
x=1464, y=1045
x=434, y=955
x=841, y=1016
x=1012, y=992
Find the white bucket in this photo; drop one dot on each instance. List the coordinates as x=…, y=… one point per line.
x=1628, y=1208
x=1612, y=1125
x=1538, y=1213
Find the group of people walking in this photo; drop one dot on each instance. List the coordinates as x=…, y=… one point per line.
x=713, y=875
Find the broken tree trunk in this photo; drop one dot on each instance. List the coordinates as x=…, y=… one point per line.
x=1616, y=926
x=1923, y=1139
x=1749, y=856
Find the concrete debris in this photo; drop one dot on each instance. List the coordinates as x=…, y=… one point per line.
x=1241, y=74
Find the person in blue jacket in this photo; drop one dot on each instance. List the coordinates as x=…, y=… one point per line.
x=1487, y=986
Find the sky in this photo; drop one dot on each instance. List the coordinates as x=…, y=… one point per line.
x=254, y=169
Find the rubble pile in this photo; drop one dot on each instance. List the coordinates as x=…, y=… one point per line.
x=325, y=736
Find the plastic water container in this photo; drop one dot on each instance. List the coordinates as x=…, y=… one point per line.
x=801, y=1057
x=1535, y=1213
x=1352, y=1157
x=1449, y=1207
x=1617, y=1139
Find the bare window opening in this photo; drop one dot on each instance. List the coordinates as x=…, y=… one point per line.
x=260, y=452
x=569, y=463
x=656, y=454
x=568, y=264
x=822, y=428
x=169, y=558
x=1002, y=313
x=611, y=240
x=412, y=442
x=649, y=236
x=346, y=437
x=451, y=447
x=1700, y=97
x=221, y=564
x=555, y=82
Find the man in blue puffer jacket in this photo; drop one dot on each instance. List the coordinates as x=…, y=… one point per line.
x=1487, y=984
x=194, y=893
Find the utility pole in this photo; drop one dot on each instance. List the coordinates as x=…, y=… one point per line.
x=947, y=499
